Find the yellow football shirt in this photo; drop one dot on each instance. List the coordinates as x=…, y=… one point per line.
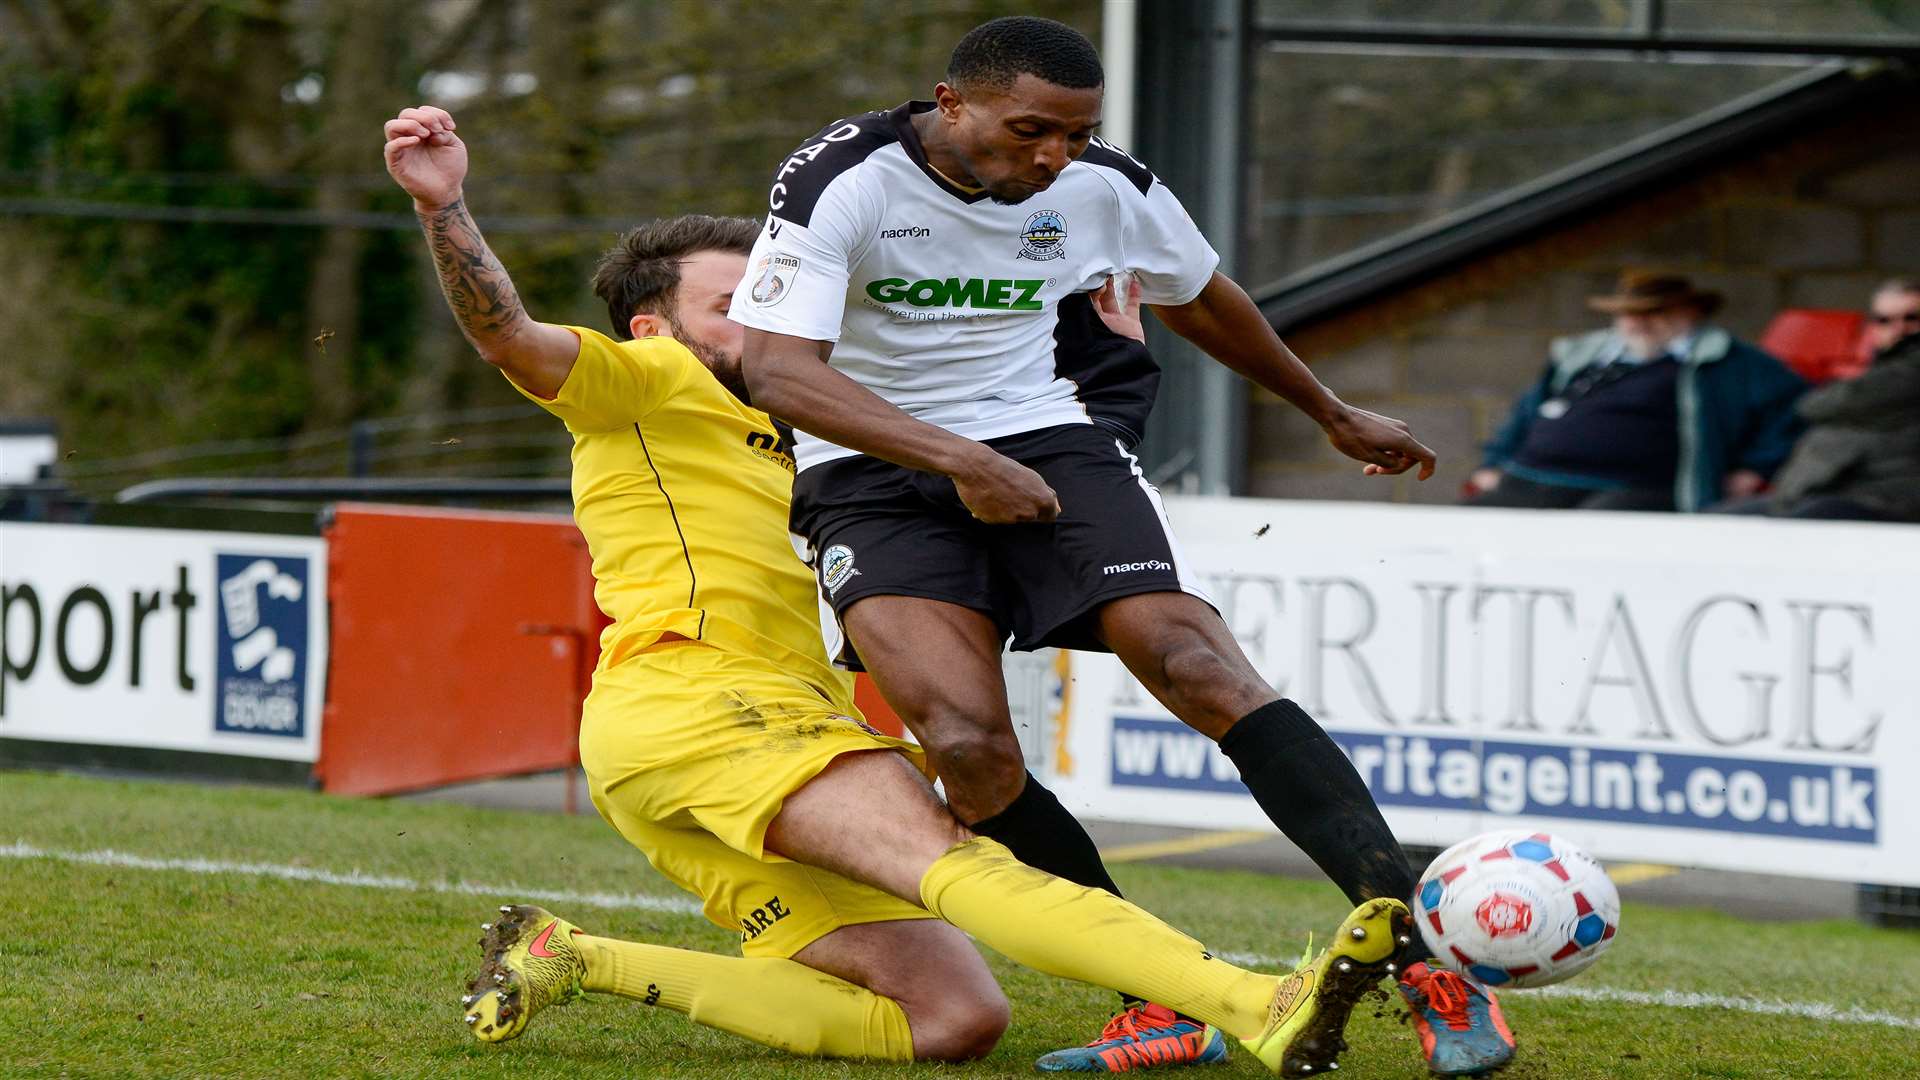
x=681, y=491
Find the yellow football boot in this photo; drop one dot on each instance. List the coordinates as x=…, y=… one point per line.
x=529, y=963
x=1305, y=1021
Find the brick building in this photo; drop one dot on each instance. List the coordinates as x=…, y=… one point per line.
x=1804, y=197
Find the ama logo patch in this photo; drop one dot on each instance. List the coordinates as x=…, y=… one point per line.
x=260, y=659
x=1045, y=237
x=773, y=278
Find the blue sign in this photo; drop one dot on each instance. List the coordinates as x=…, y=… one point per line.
x=1800, y=799
x=260, y=655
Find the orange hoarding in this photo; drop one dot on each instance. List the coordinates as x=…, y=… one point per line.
x=463, y=643
x=461, y=646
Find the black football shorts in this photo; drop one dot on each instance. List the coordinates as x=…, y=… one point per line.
x=872, y=528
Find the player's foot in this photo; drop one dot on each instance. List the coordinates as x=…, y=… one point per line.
x=1461, y=1030
x=1309, y=1012
x=528, y=964
x=1143, y=1037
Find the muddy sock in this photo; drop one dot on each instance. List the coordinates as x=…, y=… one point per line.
x=1040, y=833
x=775, y=1002
x=1312, y=792
x=1063, y=929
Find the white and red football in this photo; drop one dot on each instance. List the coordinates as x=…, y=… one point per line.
x=1517, y=909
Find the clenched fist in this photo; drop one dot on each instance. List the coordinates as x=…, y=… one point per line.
x=425, y=157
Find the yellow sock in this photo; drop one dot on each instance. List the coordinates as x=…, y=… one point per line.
x=780, y=1003
x=1052, y=925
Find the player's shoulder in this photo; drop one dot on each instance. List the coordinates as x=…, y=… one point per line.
x=804, y=175
x=637, y=348
x=660, y=353
x=1117, y=163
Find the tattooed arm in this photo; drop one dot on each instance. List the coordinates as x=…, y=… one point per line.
x=429, y=161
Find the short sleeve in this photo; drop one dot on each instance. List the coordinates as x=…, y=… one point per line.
x=1163, y=248
x=616, y=383
x=797, y=275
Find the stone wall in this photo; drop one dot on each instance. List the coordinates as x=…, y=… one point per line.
x=1814, y=222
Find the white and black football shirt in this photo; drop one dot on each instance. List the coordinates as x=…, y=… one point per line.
x=967, y=313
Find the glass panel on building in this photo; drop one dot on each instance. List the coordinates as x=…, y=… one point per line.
x=1349, y=148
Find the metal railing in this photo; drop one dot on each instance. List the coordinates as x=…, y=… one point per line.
x=498, y=443
x=343, y=487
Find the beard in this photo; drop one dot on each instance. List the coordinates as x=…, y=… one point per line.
x=725, y=367
x=1008, y=196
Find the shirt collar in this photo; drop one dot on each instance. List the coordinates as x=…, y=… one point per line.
x=1677, y=349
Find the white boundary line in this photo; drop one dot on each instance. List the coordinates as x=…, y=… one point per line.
x=1672, y=999
x=678, y=905
x=1682, y=999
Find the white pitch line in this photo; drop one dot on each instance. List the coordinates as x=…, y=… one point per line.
x=1683, y=999
x=1672, y=999
x=674, y=904
x=1675, y=999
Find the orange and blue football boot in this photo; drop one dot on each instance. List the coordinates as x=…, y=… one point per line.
x=1143, y=1037
x=1461, y=1030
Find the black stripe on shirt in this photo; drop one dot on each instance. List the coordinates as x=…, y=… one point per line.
x=802, y=176
x=1100, y=152
x=693, y=582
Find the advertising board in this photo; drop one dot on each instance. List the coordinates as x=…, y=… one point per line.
x=1707, y=691
x=213, y=642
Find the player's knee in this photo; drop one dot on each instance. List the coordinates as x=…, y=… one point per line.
x=981, y=757
x=955, y=708
x=1210, y=688
x=984, y=1024
x=1196, y=670
x=963, y=1030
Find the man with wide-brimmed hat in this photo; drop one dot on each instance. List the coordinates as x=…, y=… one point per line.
x=1665, y=411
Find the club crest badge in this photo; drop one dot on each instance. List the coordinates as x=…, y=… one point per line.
x=836, y=567
x=1045, y=237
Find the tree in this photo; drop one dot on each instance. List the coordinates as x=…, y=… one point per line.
x=201, y=243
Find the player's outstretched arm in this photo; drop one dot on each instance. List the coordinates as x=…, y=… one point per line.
x=429, y=162
x=1226, y=324
x=789, y=378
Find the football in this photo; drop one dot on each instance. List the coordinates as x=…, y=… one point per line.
x=1517, y=909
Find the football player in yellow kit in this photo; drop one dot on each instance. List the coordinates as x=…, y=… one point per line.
x=719, y=740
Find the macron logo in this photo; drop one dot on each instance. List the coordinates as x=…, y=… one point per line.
x=1130, y=567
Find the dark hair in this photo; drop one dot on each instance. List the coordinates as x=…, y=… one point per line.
x=640, y=274
x=996, y=53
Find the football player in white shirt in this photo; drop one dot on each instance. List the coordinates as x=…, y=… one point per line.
x=741, y=796
x=917, y=307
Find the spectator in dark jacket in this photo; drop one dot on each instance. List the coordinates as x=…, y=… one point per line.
x=1860, y=457
x=1663, y=412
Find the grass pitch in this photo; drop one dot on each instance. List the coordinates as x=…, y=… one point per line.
x=146, y=963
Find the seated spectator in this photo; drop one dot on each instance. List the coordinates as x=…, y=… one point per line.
x=1663, y=412
x=1860, y=457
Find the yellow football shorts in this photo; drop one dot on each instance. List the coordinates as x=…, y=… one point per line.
x=691, y=750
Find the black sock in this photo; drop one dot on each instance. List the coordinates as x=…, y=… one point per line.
x=1040, y=833
x=1312, y=792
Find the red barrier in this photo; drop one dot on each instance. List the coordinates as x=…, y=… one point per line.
x=1819, y=345
x=875, y=708
x=463, y=643
x=461, y=647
